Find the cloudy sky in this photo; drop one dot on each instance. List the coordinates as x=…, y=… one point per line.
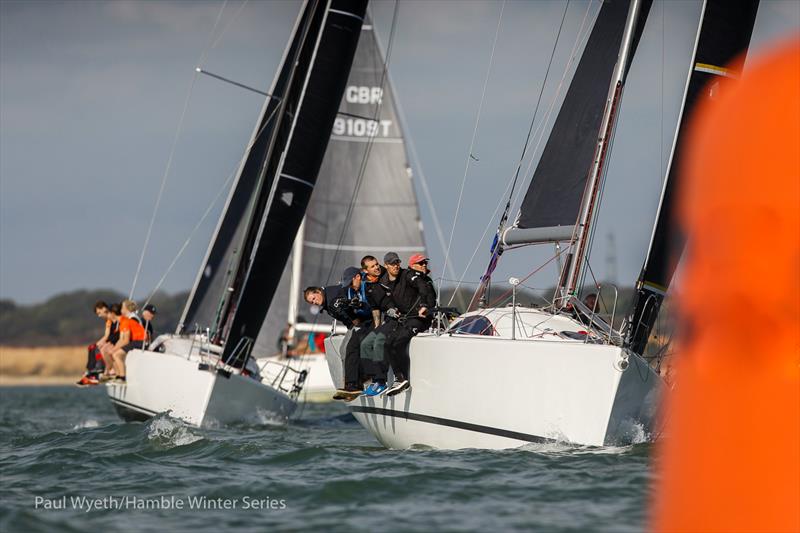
x=91, y=94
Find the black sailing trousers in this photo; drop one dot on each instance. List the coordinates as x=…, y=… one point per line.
x=353, y=366
x=397, y=344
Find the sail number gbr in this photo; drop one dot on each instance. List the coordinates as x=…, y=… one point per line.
x=362, y=127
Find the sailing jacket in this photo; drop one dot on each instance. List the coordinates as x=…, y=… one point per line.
x=412, y=291
x=359, y=303
x=337, y=305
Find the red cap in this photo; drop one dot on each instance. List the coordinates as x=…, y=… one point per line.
x=416, y=258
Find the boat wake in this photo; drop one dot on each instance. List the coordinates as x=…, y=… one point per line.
x=90, y=423
x=167, y=432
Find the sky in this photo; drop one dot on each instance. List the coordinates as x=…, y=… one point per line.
x=92, y=94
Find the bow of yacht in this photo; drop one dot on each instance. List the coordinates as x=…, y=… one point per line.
x=185, y=377
x=504, y=377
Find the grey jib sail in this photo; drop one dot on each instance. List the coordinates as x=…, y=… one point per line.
x=725, y=31
x=553, y=199
x=299, y=118
x=365, y=174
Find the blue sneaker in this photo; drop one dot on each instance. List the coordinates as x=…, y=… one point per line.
x=375, y=389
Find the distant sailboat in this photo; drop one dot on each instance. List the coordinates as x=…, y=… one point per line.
x=205, y=373
x=567, y=374
x=364, y=203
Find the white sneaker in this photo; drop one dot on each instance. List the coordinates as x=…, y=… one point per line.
x=397, y=387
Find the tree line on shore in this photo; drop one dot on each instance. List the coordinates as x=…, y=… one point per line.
x=67, y=319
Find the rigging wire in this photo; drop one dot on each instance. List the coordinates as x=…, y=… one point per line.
x=470, y=155
x=580, y=37
x=213, y=202
x=368, y=148
x=423, y=181
x=362, y=169
x=535, y=113
x=175, y=139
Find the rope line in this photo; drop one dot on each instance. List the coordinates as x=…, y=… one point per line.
x=368, y=149
x=216, y=198
x=470, y=156
x=173, y=148
x=581, y=35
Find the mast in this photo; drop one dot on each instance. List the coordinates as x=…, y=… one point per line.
x=723, y=32
x=580, y=239
x=213, y=278
x=294, y=282
x=310, y=106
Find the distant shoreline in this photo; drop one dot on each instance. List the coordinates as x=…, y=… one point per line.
x=46, y=366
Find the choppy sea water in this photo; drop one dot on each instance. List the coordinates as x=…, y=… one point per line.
x=63, y=446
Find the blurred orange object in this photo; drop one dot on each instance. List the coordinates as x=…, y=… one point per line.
x=730, y=458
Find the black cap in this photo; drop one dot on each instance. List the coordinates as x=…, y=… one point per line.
x=348, y=275
x=150, y=307
x=391, y=258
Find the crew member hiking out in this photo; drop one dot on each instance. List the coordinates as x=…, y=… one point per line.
x=95, y=365
x=354, y=370
x=334, y=301
x=384, y=312
x=107, y=349
x=131, y=336
x=415, y=298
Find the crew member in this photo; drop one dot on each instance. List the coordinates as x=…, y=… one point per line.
x=379, y=296
x=148, y=314
x=333, y=300
x=415, y=298
x=107, y=349
x=131, y=336
x=94, y=362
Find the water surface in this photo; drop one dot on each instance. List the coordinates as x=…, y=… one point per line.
x=322, y=471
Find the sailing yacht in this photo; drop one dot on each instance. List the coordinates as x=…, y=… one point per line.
x=363, y=203
x=205, y=373
x=567, y=375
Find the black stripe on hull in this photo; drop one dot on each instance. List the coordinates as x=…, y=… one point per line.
x=130, y=412
x=457, y=424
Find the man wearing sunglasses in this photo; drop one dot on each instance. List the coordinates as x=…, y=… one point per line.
x=415, y=297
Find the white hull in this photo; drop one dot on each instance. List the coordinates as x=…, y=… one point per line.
x=171, y=382
x=473, y=391
x=318, y=385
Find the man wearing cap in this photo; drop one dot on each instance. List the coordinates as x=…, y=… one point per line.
x=148, y=314
x=415, y=298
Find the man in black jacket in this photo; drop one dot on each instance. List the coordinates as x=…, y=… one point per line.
x=379, y=295
x=415, y=298
x=347, y=303
x=332, y=300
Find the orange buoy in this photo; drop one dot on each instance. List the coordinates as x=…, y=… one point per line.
x=730, y=457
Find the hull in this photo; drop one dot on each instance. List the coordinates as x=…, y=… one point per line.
x=471, y=391
x=318, y=385
x=170, y=382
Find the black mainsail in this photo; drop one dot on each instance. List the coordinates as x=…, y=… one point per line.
x=724, y=33
x=552, y=203
x=364, y=201
x=253, y=240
